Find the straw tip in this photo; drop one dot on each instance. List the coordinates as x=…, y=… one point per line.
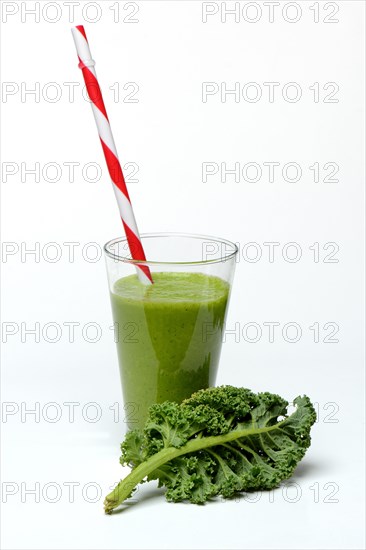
x=80, y=29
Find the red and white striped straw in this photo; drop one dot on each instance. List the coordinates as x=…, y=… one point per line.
x=86, y=64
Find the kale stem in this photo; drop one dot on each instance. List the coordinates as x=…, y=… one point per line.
x=125, y=487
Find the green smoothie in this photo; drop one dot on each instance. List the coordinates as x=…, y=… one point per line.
x=169, y=337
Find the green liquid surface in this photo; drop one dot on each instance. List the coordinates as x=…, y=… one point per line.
x=169, y=337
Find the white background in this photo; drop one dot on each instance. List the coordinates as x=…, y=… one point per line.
x=169, y=52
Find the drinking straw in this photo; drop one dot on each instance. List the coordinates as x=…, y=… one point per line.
x=86, y=64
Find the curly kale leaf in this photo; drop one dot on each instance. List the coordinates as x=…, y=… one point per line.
x=220, y=441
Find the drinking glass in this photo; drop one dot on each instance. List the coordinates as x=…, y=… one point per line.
x=169, y=333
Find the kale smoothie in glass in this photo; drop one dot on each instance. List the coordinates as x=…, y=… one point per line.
x=168, y=334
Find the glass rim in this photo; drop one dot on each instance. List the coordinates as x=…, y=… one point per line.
x=197, y=236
